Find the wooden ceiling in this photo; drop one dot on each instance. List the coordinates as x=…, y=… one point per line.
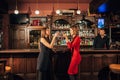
x=5, y=4
x=49, y=1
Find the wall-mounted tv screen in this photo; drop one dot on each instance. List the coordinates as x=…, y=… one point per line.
x=101, y=23
x=19, y=18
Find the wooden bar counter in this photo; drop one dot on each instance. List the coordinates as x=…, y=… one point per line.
x=23, y=62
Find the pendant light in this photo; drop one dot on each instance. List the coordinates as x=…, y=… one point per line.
x=53, y=9
x=78, y=10
x=29, y=10
x=37, y=11
x=58, y=11
x=16, y=10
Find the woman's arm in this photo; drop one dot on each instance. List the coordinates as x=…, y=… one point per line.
x=49, y=45
x=74, y=43
x=66, y=38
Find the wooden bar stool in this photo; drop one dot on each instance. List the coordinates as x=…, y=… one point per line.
x=115, y=68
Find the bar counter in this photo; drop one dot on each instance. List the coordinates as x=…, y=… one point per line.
x=23, y=62
x=37, y=51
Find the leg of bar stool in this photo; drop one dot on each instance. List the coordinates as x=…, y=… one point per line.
x=110, y=75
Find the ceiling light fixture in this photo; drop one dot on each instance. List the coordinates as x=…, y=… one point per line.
x=16, y=10
x=37, y=11
x=53, y=9
x=29, y=10
x=78, y=10
x=58, y=11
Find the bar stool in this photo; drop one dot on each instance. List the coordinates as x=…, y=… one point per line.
x=115, y=68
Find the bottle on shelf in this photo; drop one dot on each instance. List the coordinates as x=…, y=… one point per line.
x=34, y=37
x=60, y=26
x=87, y=35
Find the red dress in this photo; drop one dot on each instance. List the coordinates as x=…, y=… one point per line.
x=76, y=57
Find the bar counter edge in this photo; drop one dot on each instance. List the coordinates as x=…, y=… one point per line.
x=37, y=50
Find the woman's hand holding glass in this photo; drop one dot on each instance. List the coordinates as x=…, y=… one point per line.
x=56, y=34
x=64, y=35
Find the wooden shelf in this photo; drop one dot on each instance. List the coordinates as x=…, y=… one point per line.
x=35, y=27
x=64, y=29
x=87, y=37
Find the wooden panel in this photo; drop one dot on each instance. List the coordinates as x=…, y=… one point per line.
x=94, y=76
x=19, y=64
x=15, y=34
x=85, y=65
x=85, y=77
x=97, y=62
x=18, y=37
x=31, y=76
x=21, y=39
x=22, y=44
x=31, y=63
x=109, y=59
x=22, y=34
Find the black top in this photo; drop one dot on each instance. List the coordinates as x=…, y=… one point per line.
x=44, y=58
x=101, y=43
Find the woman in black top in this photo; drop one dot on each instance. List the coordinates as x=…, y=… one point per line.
x=44, y=59
x=101, y=41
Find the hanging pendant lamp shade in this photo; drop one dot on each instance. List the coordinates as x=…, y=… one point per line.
x=53, y=9
x=29, y=10
x=37, y=11
x=16, y=10
x=78, y=10
x=57, y=11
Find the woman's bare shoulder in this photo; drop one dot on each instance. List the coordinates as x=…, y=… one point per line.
x=42, y=39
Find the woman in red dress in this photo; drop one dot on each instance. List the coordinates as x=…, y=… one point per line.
x=74, y=46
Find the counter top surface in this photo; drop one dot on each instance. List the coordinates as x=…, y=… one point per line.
x=37, y=50
x=19, y=51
